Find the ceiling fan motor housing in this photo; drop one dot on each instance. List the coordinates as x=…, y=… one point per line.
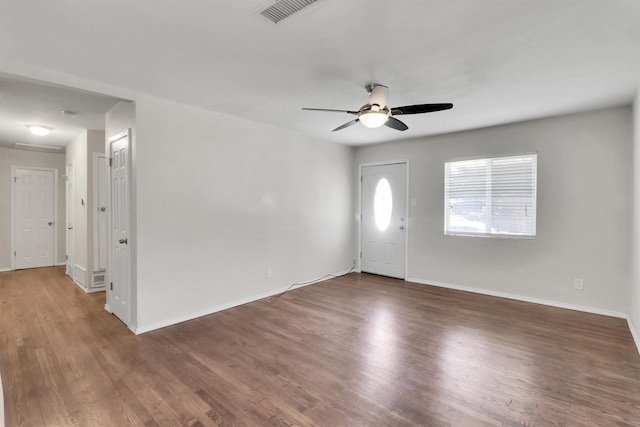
x=377, y=95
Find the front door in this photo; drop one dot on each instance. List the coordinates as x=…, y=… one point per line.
x=384, y=219
x=119, y=290
x=33, y=218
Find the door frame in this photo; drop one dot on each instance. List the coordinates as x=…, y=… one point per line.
x=407, y=203
x=128, y=133
x=14, y=214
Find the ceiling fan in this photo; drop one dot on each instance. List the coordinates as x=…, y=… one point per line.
x=376, y=113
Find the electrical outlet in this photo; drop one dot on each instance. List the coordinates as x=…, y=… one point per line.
x=269, y=273
x=578, y=284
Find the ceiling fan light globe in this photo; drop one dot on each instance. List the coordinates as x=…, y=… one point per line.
x=373, y=119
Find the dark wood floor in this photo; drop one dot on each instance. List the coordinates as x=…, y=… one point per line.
x=358, y=350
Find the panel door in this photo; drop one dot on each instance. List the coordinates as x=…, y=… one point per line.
x=383, y=224
x=34, y=229
x=119, y=291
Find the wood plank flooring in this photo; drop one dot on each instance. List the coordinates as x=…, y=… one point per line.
x=357, y=350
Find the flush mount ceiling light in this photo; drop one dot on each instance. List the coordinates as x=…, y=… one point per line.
x=39, y=130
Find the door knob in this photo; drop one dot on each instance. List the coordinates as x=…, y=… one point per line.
x=69, y=228
x=402, y=227
x=103, y=209
x=50, y=223
x=123, y=241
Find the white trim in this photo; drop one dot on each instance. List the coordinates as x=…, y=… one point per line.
x=55, y=210
x=107, y=308
x=60, y=264
x=406, y=217
x=80, y=275
x=5, y=269
x=79, y=285
x=576, y=307
x=210, y=310
x=634, y=333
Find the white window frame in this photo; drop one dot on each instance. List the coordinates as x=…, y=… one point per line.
x=490, y=234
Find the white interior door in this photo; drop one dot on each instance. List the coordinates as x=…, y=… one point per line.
x=33, y=218
x=100, y=200
x=70, y=216
x=119, y=290
x=383, y=224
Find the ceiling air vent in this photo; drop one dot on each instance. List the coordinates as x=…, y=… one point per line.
x=283, y=9
x=33, y=147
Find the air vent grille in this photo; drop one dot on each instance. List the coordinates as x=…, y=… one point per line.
x=33, y=147
x=284, y=8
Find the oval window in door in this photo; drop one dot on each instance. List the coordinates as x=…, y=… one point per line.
x=382, y=204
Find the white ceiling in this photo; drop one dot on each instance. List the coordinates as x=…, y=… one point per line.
x=24, y=102
x=497, y=61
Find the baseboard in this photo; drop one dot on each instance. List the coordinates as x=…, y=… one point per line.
x=210, y=310
x=60, y=264
x=5, y=269
x=79, y=285
x=80, y=275
x=576, y=307
x=634, y=334
x=108, y=308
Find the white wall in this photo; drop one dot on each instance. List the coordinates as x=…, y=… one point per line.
x=10, y=157
x=221, y=199
x=584, y=206
x=76, y=151
x=80, y=153
x=634, y=312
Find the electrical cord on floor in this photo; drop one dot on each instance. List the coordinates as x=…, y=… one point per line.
x=310, y=282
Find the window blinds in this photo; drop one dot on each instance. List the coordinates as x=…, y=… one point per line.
x=491, y=196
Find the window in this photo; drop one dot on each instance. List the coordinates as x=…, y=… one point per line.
x=491, y=197
x=383, y=205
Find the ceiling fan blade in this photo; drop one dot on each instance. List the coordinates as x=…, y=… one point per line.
x=346, y=125
x=420, y=108
x=331, y=110
x=396, y=124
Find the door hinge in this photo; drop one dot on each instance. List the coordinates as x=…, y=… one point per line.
x=360, y=178
x=110, y=286
x=15, y=179
x=66, y=257
x=14, y=253
x=361, y=255
x=110, y=162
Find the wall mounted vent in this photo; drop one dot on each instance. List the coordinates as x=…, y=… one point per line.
x=283, y=9
x=98, y=280
x=33, y=147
